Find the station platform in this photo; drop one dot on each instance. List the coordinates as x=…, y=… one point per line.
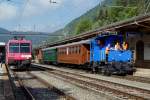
x=142, y=72
x=6, y=92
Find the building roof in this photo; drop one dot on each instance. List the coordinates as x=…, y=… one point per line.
x=139, y=23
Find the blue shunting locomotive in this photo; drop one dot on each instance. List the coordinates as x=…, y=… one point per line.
x=116, y=62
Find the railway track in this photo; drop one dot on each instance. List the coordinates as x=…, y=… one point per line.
x=127, y=77
x=134, y=78
x=118, y=90
x=63, y=96
x=29, y=92
x=13, y=75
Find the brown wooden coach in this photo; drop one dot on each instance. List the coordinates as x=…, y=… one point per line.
x=75, y=53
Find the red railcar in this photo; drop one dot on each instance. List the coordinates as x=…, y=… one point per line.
x=18, y=53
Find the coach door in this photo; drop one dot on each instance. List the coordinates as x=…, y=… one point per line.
x=140, y=50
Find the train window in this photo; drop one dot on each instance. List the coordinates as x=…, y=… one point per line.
x=14, y=47
x=25, y=48
x=101, y=42
x=72, y=50
x=63, y=51
x=67, y=50
x=59, y=51
x=79, y=49
x=76, y=50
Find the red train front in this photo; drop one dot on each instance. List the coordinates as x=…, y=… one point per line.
x=18, y=53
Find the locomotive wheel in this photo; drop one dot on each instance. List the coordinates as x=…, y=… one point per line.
x=131, y=73
x=94, y=67
x=99, y=70
x=105, y=71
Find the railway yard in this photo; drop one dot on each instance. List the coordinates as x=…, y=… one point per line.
x=49, y=82
x=108, y=62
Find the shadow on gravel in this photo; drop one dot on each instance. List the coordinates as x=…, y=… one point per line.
x=28, y=69
x=6, y=91
x=46, y=94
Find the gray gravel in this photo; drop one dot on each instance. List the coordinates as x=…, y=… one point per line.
x=75, y=91
x=141, y=85
x=38, y=90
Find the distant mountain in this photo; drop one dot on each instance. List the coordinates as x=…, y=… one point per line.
x=36, y=37
x=2, y=30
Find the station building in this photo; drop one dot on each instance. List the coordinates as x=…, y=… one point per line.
x=140, y=44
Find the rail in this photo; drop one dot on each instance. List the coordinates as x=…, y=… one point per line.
x=26, y=91
x=121, y=91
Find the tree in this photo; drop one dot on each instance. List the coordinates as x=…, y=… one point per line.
x=83, y=26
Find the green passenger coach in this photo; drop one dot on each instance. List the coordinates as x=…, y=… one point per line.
x=50, y=56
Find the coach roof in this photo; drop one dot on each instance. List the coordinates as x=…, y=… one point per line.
x=69, y=44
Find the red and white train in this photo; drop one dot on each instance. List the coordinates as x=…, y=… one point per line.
x=18, y=53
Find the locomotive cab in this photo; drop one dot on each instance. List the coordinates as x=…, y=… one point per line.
x=107, y=58
x=18, y=53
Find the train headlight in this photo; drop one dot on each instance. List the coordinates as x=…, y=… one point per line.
x=26, y=56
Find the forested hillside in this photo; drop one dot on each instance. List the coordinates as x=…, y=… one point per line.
x=107, y=12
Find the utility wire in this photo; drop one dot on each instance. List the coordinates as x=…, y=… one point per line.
x=147, y=6
x=22, y=13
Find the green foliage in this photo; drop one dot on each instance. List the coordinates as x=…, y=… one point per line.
x=108, y=12
x=83, y=26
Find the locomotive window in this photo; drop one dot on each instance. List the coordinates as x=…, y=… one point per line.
x=14, y=47
x=24, y=48
x=101, y=42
